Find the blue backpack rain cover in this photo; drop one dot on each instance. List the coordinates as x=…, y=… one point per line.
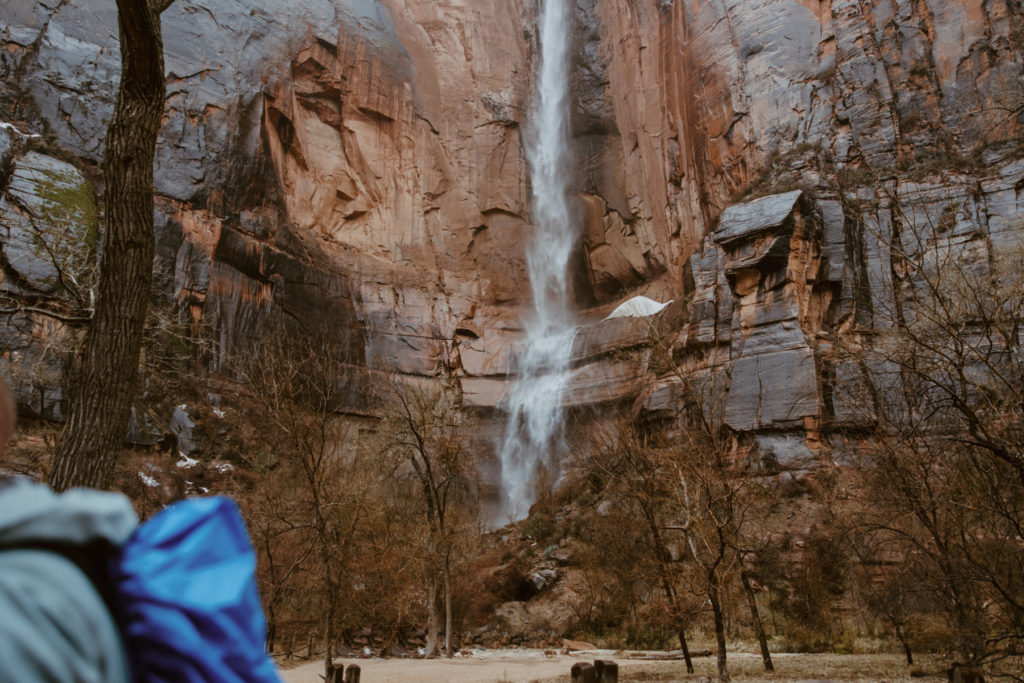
x=186, y=596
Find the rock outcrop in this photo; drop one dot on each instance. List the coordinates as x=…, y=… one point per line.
x=48, y=237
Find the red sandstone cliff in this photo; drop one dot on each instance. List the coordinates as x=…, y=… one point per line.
x=358, y=166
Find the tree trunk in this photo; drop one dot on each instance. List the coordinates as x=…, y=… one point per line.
x=755, y=616
x=906, y=645
x=664, y=557
x=268, y=549
x=432, y=626
x=328, y=643
x=107, y=372
x=716, y=608
x=686, y=650
x=271, y=629
x=331, y=604
x=677, y=617
x=447, y=609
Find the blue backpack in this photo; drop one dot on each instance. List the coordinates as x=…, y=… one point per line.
x=184, y=593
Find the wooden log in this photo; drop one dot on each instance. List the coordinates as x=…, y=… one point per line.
x=352, y=674
x=584, y=672
x=607, y=671
x=338, y=673
x=674, y=655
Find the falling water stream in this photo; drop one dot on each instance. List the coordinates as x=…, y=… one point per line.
x=534, y=399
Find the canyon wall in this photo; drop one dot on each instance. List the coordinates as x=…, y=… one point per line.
x=349, y=167
x=872, y=127
x=356, y=168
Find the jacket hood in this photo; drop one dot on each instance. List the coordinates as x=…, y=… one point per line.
x=32, y=513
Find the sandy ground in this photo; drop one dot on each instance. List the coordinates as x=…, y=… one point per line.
x=526, y=666
x=506, y=666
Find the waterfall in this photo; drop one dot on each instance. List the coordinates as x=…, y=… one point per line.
x=533, y=434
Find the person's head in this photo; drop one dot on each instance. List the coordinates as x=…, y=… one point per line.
x=6, y=416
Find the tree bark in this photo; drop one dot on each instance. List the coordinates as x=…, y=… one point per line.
x=447, y=609
x=686, y=650
x=755, y=616
x=906, y=646
x=271, y=628
x=432, y=627
x=328, y=643
x=677, y=617
x=107, y=373
x=716, y=609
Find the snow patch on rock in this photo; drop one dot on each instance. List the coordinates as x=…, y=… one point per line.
x=638, y=307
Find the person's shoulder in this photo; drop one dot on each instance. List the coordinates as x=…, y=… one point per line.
x=55, y=624
x=31, y=512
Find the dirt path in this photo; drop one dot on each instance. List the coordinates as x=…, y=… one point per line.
x=506, y=666
x=525, y=666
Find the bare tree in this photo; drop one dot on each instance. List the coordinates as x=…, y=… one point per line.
x=429, y=436
x=638, y=475
x=299, y=384
x=106, y=376
x=709, y=519
x=285, y=542
x=679, y=470
x=940, y=378
x=717, y=494
x=890, y=584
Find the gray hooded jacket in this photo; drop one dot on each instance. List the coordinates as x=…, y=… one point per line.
x=54, y=626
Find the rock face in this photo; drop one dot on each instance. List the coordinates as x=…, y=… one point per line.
x=354, y=164
x=357, y=167
x=47, y=212
x=768, y=245
x=49, y=230
x=867, y=120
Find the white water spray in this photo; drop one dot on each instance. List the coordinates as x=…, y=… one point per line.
x=533, y=434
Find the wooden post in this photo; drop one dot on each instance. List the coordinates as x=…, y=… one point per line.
x=337, y=673
x=607, y=671
x=584, y=672
x=965, y=673
x=352, y=675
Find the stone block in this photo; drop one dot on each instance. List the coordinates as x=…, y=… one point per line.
x=742, y=221
x=772, y=389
